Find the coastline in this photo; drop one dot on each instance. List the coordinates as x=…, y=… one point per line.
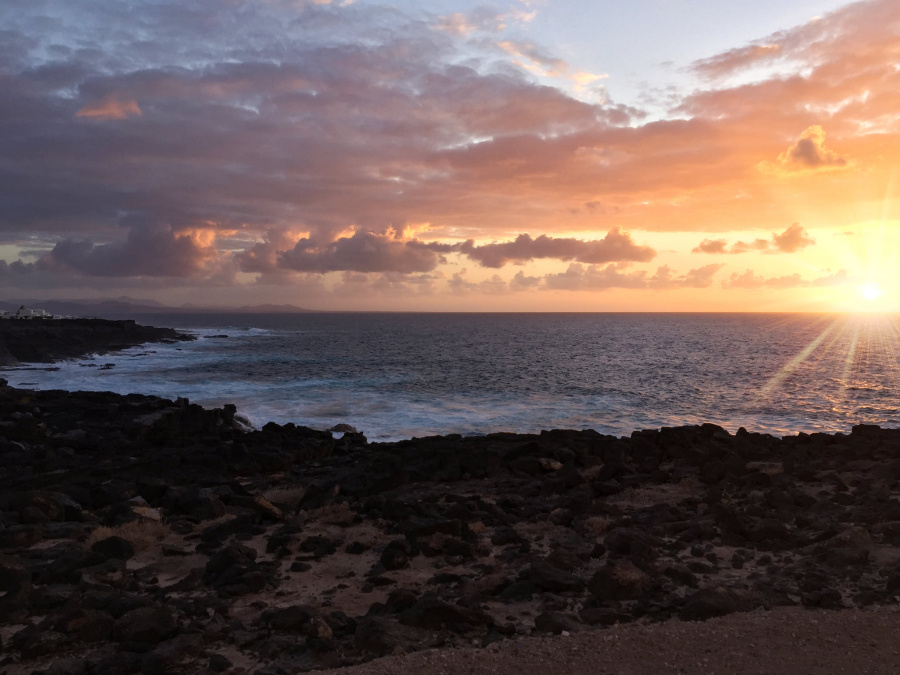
x=49, y=340
x=124, y=519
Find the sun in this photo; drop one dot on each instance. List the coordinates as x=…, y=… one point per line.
x=870, y=291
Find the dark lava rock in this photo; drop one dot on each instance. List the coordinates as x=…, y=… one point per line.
x=522, y=589
x=319, y=546
x=219, y=663
x=172, y=655
x=706, y=604
x=634, y=542
x=432, y=613
x=395, y=557
x=114, y=547
x=619, y=580
x=144, y=627
x=85, y=625
x=291, y=619
x=52, y=339
x=545, y=575
x=234, y=571
x=399, y=600
x=15, y=586
x=556, y=623
x=382, y=636
x=602, y=616
x=65, y=666
x=32, y=641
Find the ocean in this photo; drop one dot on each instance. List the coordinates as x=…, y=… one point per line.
x=395, y=376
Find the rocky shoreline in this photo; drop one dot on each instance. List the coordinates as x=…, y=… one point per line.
x=48, y=340
x=141, y=535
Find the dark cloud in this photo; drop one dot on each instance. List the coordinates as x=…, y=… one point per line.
x=616, y=246
x=199, y=114
x=793, y=239
x=17, y=269
x=371, y=252
x=146, y=251
x=362, y=252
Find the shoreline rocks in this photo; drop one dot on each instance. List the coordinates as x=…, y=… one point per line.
x=48, y=340
x=150, y=535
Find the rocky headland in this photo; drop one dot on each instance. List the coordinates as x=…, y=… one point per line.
x=142, y=535
x=47, y=340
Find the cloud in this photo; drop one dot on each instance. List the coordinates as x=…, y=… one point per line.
x=320, y=119
x=361, y=252
x=808, y=153
x=146, y=251
x=111, y=107
x=595, y=277
x=711, y=246
x=459, y=284
x=523, y=282
x=371, y=252
x=749, y=280
x=532, y=57
x=17, y=269
x=616, y=246
x=733, y=60
x=793, y=239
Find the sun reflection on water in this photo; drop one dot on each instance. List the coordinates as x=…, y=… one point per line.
x=863, y=350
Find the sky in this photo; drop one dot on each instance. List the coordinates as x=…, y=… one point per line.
x=520, y=155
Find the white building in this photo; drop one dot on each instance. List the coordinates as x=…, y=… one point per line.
x=26, y=313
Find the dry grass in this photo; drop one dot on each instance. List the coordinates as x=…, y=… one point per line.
x=215, y=521
x=596, y=526
x=690, y=483
x=286, y=496
x=141, y=534
x=332, y=514
x=667, y=493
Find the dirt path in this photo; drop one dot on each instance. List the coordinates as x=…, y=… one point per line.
x=790, y=641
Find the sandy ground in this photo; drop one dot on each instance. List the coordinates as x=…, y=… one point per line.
x=787, y=640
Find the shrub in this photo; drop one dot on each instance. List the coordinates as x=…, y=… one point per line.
x=141, y=534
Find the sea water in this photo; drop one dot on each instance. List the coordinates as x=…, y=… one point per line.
x=396, y=376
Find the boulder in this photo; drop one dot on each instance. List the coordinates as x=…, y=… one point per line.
x=546, y=576
x=382, y=636
x=432, y=613
x=619, y=580
x=114, y=547
x=706, y=604
x=144, y=627
x=15, y=587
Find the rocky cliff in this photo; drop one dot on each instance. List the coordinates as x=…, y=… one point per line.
x=43, y=341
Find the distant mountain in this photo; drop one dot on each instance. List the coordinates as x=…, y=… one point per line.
x=269, y=309
x=124, y=306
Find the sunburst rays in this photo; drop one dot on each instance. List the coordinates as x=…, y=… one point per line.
x=862, y=351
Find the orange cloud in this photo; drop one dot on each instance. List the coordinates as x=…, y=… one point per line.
x=808, y=153
x=793, y=239
x=111, y=107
